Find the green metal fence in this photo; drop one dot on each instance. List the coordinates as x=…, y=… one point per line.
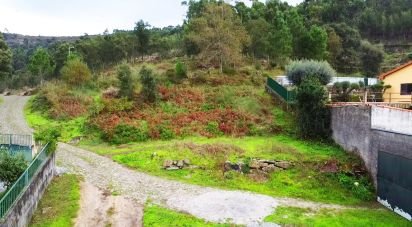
x=17, y=144
x=19, y=187
x=282, y=92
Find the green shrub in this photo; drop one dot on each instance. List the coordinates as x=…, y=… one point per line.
x=149, y=87
x=76, y=73
x=124, y=133
x=165, y=132
x=313, y=117
x=170, y=108
x=248, y=104
x=11, y=167
x=361, y=187
x=213, y=128
x=181, y=70
x=124, y=75
x=48, y=135
x=117, y=105
x=298, y=71
x=229, y=71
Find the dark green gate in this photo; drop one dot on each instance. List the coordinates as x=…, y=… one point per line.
x=395, y=183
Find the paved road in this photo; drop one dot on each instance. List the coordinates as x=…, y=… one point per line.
x=12, y=116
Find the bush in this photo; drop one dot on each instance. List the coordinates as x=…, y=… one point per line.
x=11, y=167
x=76, y=73
x=117, y=105
x=360, y=187
x=298, y=71
x=229, y=70
x=343, y=91
x=48, y=135
x=372, y=58
x=149, y=89
x=181, y=70
x=213, y=128
x=124, y=133
x=313, y=117
x=124, y=75
x=165, y=132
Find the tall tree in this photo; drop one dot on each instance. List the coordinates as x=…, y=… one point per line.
x=143, y=37
x=219, y=35
x=313, y=44
x=5, y=59
x=372, y=58
x=41, y=64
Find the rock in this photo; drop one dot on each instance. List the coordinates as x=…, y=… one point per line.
x=167, y=164
x=270, y=168
x=254, y=164
x=174, y=162
x=330, y=166
x=263, y=165
x=180, y=164
x=283, y=164
x=173, y=168
x=186, y=162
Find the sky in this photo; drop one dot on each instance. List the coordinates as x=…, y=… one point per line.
x=77, y=17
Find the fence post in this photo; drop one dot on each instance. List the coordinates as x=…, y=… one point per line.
x=390, y=97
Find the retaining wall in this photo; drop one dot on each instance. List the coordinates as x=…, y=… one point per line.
x=366, y=130
x=22, y=212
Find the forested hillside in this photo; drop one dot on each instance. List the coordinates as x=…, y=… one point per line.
x=354, y=36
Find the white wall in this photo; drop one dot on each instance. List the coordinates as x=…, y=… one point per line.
x=392, y=120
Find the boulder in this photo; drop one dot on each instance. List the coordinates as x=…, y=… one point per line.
x=173, y=168
x=186, y=162
x=180, y=164
x=167, y=164
x=283, y=164
x=254, y=164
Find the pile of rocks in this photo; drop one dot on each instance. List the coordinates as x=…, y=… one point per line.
x=267, y=166
x=176, y=164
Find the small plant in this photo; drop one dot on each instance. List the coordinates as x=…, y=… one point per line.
x=48, y=135
x=213, y=128
x=149, y=89
x=124, y=133
x=360, y=187
x=181, y=70
x=124, y=75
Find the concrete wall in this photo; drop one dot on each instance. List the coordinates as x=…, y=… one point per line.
x=392, y=120
x=366, y=130
x=351, y=129
x=23, y=210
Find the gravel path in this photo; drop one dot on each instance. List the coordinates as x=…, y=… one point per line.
x=211, y=204
x=12, y=116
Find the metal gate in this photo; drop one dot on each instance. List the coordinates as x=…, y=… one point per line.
x=395, y=183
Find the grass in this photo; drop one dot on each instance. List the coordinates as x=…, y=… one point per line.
x=302, y=181
x=69, y=128
x=60, y=203
x=291, y=216
x=156, y=216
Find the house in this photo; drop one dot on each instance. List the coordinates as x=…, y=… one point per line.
x=401, y=81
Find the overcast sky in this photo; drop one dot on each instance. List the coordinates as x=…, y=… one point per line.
x=77, y=17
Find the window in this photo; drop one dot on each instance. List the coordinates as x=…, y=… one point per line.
x=406, y=89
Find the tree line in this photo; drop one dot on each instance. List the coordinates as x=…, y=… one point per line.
x=220, y=35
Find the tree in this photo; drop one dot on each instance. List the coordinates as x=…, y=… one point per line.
x=298, y=71
x=372, y=58
x=219, y=35
x=313, y=44
x=149, y=88
x=11, y=167
x=334, y=47
x=280, y=39
x=41, y=64
x=75, y=72
x=259, y=31
x=5, y=59
x=124, y=75
x=343, y=90
x=313, y=117
x=143, y=37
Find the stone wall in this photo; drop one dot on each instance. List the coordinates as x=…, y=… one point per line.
x=366, y=130
x=22, y=212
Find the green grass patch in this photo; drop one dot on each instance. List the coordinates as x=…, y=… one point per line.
x=156, y=216
x=304, y=180
x=69, y=129
x=60, y=203
x=292, y=216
